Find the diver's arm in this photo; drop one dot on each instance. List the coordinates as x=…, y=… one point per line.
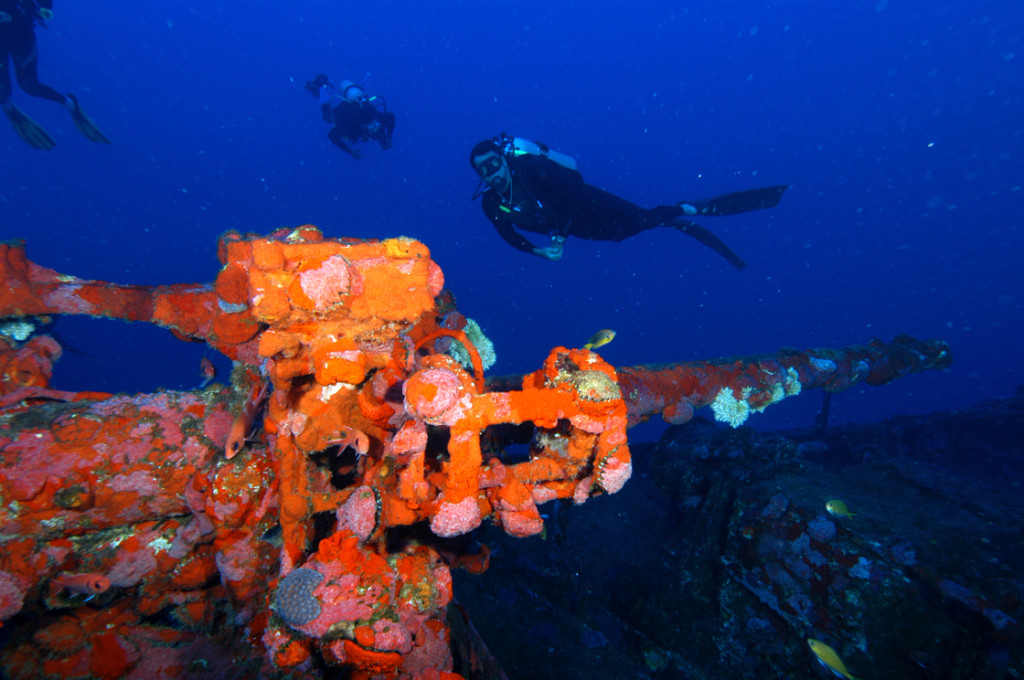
x=552, y=252
x=512, y=237
x=388, y=120
x=325, y=103
x=504, y=226
x=507, y=230
x=336, y=136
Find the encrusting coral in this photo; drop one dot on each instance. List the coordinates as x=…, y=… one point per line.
x=328, y=542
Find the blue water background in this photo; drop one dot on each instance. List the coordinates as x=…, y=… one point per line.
x=898, y=125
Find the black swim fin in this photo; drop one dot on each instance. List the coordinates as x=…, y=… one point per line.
x=705, y=236
x=29, y=130
x=85, y=125
x=735, y=203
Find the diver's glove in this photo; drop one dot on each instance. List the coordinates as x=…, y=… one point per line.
x=313, y=86
x=552, y=252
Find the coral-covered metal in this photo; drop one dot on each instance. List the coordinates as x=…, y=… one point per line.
x=179, y=533
x=734, y=388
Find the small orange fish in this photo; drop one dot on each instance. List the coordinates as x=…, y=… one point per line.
x=82, y=584
x=356, y=439
x=600, y=339
x=207, y=370
x=242, y=427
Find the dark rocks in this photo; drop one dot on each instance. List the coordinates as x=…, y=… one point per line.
x=718, y=559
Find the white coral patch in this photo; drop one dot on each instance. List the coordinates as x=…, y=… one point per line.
x=19, y=330
x=160, y=544
x=729, y=409
x=231, y=308
x=329, y=391
x=823, y=365
x=790, y=386
x=483, y=345
x=792, y=382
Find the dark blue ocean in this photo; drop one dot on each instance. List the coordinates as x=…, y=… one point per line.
x=899, y=126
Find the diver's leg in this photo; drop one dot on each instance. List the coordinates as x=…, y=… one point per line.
x=25, y=67
x=5, y=81
x=339, y=139
x=710, y=240
x=84, y=123
x=26, y=128
x=379, y=129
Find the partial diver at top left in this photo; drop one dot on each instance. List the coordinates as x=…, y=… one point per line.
x=18, y=19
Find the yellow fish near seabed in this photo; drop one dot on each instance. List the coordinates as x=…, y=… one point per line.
x=600, y=339
x=837, y=508
x=828, y=658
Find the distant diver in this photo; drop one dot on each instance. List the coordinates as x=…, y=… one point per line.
x=18, y=44
x=537, y=189
x=355, y=116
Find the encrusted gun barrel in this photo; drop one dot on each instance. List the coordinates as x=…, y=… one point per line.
x=736, y=387
x=321, y=538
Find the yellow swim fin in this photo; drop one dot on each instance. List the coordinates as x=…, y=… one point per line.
x=29, y=130
x=85, y=125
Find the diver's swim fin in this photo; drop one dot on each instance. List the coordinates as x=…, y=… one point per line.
x=735, y=203
x=705, y=236
x=29, y=130
x=85, y=125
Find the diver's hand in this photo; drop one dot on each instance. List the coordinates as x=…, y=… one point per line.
x=356, y=153
x=313, y=86
x=552, y=252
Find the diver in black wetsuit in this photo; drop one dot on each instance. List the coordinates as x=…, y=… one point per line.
x=18, y=44
x=355, y=116
x=533, y=188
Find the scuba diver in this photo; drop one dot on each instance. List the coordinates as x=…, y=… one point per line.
x=537, y=189
x=18, y=19
x=355, y=116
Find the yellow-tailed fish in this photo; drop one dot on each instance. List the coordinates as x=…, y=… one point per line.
x=828, y=658
x=600, y=339
x=837, y=508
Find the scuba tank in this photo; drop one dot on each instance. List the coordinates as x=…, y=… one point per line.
x=517, y=146
x=350, y=91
